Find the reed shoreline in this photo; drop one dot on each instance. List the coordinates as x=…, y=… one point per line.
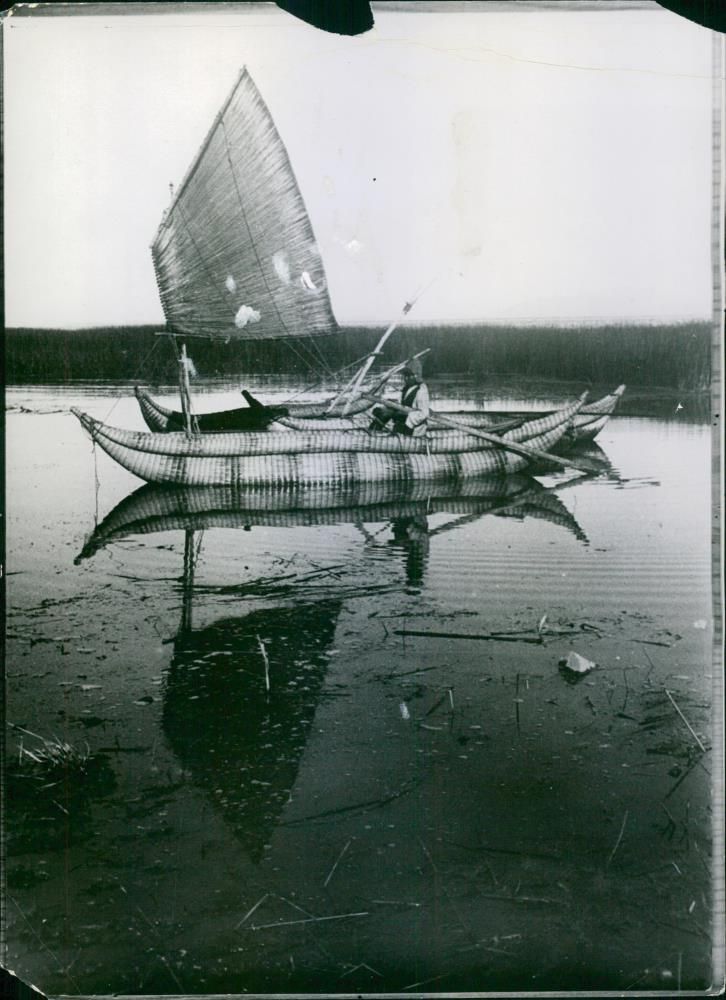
x=676, y=356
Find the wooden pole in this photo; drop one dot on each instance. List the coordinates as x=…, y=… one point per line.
x=391, y=372
x=353, y=386
x=515, y=446
x=184, y=390
x=358, y=380
x=375, y=388
x=187, y=581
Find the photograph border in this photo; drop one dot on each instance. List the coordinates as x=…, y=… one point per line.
x=45, y=10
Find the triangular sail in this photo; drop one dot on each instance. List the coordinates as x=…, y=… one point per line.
x=235, y=255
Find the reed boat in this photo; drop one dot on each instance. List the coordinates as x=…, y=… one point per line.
x=312, y=416
x=586, y=425
x=326, y=457
x=235, y=258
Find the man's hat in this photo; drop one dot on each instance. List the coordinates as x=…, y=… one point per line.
x=413, y=367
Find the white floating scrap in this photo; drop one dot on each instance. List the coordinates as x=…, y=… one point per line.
x=307, y=282
x=230, y=284
x=577, y=664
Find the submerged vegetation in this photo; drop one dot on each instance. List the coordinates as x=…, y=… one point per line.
x=52, y=784
x=676, y=355
x=51, y=760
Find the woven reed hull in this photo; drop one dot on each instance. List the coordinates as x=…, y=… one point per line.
x=212, y=459
x=584, y=426
x=156, y=416
x=588, y=428
x=256, y=444
x=314, y=416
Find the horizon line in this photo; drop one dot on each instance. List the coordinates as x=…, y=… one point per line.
x=521, y=321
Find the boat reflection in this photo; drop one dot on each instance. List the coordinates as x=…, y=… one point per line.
x=411, y=536
x=157, y=508
x=240, y=694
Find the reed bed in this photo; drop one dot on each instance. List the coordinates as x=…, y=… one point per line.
x=676, y=355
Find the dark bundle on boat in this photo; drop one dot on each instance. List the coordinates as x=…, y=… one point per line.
x=255, y=417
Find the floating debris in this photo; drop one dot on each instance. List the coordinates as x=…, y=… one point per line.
x=576, y=665
x=251, y=911
x=332, y=870
x=308, y=920
x=685, y=720
x=617, y=842
x=266, y=661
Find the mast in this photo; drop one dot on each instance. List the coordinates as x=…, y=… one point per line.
x=185, y=390
x=352, y=389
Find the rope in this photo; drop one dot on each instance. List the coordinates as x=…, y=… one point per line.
x=139, y=370
x=298, y=352
x=316, y=349
x=97, y=482
x=333, y=374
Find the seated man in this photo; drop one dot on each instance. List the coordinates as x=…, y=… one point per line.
x=415, y=395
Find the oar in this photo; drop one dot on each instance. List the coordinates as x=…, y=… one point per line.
x=515, y=446
x=374, y=388
x=386, y=377
x=393, y=371
x=353, y=387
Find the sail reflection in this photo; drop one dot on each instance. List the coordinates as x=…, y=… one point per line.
x=239, y=700
x=240, y=694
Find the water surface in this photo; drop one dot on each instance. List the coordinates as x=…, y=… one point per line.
x=280, y=787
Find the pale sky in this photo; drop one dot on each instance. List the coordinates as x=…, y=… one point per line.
x=546, y=165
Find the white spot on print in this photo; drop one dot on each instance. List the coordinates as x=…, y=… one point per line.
x=230, y=283
x=245, y=315
x=354, y=246
x=307, y=282
x=282, y=266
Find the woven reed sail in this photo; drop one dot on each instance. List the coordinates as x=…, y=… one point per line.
x=235, y=255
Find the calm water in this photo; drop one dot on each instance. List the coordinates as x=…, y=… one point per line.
x=274, y=790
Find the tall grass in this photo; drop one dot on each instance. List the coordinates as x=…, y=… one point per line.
x=676, y=355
